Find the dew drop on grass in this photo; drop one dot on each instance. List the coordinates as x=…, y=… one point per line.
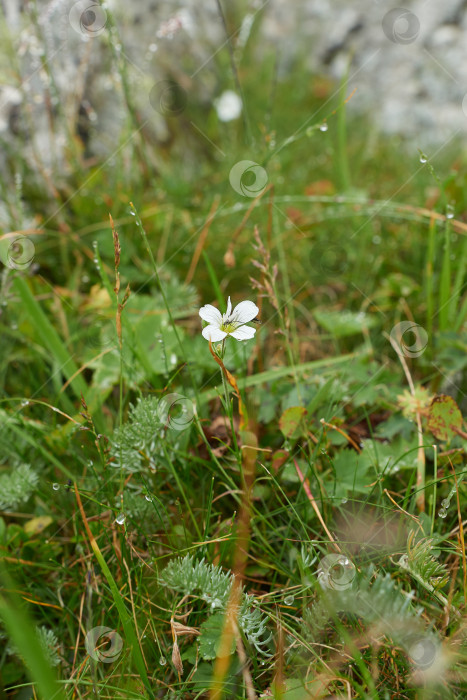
x=132, y=212
x=120, y=519
x=449, y=211
x=423, y=158
x=162, y=661
x=148, y=498
x=25, y=403
x=55, y=487
x=289, y=600
x=323, y=127
x=442, y=513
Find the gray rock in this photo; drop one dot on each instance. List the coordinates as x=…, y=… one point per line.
x=86, y=67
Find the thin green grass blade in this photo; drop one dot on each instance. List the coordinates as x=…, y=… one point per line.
x=127, y=623
x=52, y=341
x=279, y=372
x=49, y=337
x=459, y=286
x=20, y=628
x=342, y=154
x=429, y=274
x=214, y=281
x=445, y=282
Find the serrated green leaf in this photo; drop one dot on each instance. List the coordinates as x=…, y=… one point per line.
x=210, y=637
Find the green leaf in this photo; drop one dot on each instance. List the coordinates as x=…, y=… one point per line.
x=389, y=457
x=443, y=417
x=210, y=637
x=351, y=470
x=344, y=323
x=291, y=422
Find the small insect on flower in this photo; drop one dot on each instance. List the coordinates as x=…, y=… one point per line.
x=231, y=323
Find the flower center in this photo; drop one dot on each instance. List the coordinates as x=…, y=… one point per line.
x=229, y=326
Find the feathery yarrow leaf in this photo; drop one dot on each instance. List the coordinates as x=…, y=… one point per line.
x=213, y=585
x=139, y=441
x=17, y=486
x=422, y=565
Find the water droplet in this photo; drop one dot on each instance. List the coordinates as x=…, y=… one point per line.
x=449, y=211
x=442, y=513
x=120, y=519
x=148, y=498
x=55, y=409
x=132, y=212
x=289, y=600
x=445, y=503
x=25, y=402
x=94, y=244
x=152, y=48
x=162, y=661
x=344, y=501
x=323, y=127
x=55, y=487
x=423, y=158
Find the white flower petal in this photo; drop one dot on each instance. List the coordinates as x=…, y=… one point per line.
x=213, y=333
x=244, y=312
x=243, y=333
x=229, y=310
x=210, y=314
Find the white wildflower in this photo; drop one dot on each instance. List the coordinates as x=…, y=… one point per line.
x=228, y=106
x=230, y=323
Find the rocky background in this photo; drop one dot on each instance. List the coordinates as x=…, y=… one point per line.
x=83, y=69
